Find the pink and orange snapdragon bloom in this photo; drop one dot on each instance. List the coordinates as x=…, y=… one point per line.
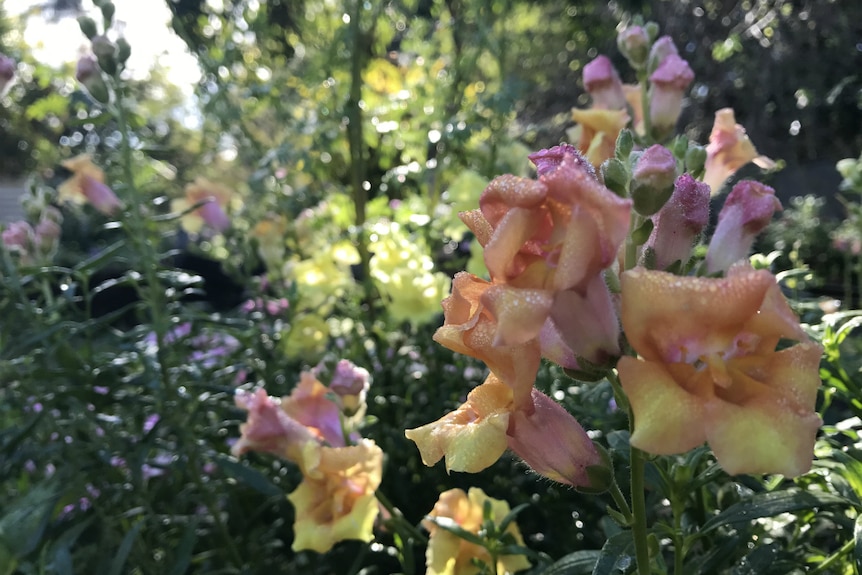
x=547, y=243
x=707, y=365
x=336, y=498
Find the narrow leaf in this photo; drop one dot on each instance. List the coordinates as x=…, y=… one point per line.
x=577, y=563
x=248, y=475
x=771, y=504
x=125, y=548
x=185, y=550
x=617, y=554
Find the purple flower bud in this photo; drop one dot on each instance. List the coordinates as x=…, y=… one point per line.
x=604, y=85
x=7, y=71
x=652, y=179
x=18, y=237
x=546, y=161
x=668, y=84
x=680, y=222
x=89, y=75
x=662, y=48
x=350, y=383
x=552, y=442
x=748, y=209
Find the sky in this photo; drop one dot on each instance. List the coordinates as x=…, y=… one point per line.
x=144, y=23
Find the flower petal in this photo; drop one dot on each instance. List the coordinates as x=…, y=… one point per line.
x=668, y=419
x=473, y=436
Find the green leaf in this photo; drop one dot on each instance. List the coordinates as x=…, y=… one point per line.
x=771, y=504
x=248, y=475
x=617, y=554
x=25, y=520
x=449, y=525
x=125, y=548
x=504, y=524
x=185, y=549
x=761, y=560
x=51, y=105
x=577, y=563
x=857, y=544
x=101, y=257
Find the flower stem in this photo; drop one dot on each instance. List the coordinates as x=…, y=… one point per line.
x=643, y=80
x=639, y=526
x=399, y=520
x=621, y=502
x=835, y=557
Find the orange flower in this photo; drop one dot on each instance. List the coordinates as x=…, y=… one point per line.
x=728, y=150
x=336, y=500
x=470, y=328
x=87, y=184
x=212, y=213
x=599, y=130
x=546, y=243
x=449, y=554
x=473, y=437
x=542, y=433
x=709, y=370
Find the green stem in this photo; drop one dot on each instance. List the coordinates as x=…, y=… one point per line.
x=643, y=79
x=678, y=537
x=356, y=144
x=400, y=520
x=631, y=247
x=135, y=224
x=638, y=496
x=835, y=557
x=621, y=502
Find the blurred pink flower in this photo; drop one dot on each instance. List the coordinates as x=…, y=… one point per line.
x=747, y=210
x=7, y=71
x=604, y=85
x=667, y=86
x=728, y=150
x=87, y=184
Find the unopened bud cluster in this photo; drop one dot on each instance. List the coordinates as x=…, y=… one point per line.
x=107, y=56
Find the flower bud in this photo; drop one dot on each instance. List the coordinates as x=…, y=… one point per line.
x=633, y=43
x=668, y=84
x=546, y=161
x=7, y=71
x=615, y=177
x=106, y=53
x=625, y=144
x=679, y=222
x=662, y=48
x=553, y=443
x=350, y=383
x=651, y=30
x=100, y=196
x=653, y=179
x=124, y=50
x=89, y=75
x=108, y=10
x=604, y=85
x=47, y=234
x=748, y=209
x=88, y=27
x=18, y=237
x=695, y=160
